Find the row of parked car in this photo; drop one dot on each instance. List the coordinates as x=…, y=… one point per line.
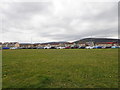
x=75, y=47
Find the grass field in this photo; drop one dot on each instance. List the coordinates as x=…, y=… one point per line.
x=67, y=68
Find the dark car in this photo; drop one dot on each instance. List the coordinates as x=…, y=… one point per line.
x=108, y=47
x=75, y=47
x=52, y=47
x=34, y=47
x=21, y=48
x=82, y=47
x=24, y=48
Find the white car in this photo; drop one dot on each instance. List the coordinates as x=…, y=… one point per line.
x=89, y=47
x=47, y=47
x=60, y=47
x=13, y=48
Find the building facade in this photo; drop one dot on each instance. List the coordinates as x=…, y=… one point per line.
x=10, y=44
x=25, y=45
x=106, y=44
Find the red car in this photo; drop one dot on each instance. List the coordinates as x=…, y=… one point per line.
x=67, y=47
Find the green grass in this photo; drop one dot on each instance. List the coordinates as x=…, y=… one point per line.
x=68, y=68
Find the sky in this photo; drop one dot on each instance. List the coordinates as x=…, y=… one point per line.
x=57, y=20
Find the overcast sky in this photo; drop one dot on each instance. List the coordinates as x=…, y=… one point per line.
x=58, y=20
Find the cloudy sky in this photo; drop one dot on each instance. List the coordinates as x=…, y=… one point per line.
x=58, y=20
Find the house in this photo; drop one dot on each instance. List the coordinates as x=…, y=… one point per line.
x=68, y=44
x=51, y=44
x=25, y=45
x=54, y=44
x=13, y=44
x=5, y=44
x=44, y=45
x=106, y=44
x=36, y=45
x=81, y=44
x=10, y=44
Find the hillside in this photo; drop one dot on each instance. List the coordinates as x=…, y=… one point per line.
x=95, y=40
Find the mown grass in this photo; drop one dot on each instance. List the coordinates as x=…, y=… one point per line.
x=68, y=68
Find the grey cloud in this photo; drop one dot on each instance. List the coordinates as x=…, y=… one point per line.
x=18, y=14
x=25, y=9
x=47, y=21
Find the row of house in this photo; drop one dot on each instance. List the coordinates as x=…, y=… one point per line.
x=27, y=45
x=57, y=44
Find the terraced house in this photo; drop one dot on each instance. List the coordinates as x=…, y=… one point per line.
x=106, y=44
x=67, y=44
x=10, y=44
x=53, y=44
x=25, y=45
x=36, y=45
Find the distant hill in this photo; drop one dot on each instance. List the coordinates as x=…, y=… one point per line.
x=95, y=40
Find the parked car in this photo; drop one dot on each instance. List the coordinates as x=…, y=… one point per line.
x=89, y=47
x=74, y=47
x=67, y=47
x=107, y=47
x=24, y=48
x=34, y=47
x=20, y=47
x=40, y=47
x=47, y=47
x=60, y=47
x=82, y=47
x=5, y=48
x=53, y=48
x=13, y=48
x=97, y=47
x=103, y=46
x=115, y=47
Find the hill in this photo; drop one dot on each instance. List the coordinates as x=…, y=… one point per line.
x=95, y=40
